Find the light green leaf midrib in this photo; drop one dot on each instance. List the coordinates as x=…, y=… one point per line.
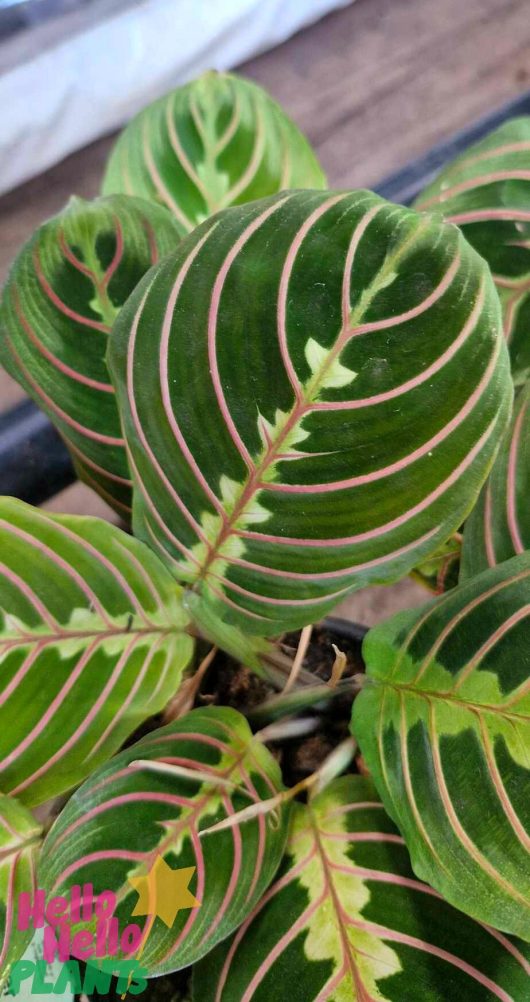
x=72, y=642
x=267, y=459
x=367, y=958
x=430, y=695
x=206, y=802
x=13, y=850
x=101, y=303
x=214, y=182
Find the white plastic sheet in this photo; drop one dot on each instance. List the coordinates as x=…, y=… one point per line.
x=90, y=84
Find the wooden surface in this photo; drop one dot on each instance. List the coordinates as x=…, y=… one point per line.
x=373, y=86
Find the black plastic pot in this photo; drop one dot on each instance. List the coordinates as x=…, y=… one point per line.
x=353, y=632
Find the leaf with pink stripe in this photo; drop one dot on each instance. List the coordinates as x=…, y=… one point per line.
x=443, y=722
x=92, y=641
x=20, y=837
x=218, y=141
x=346, y=920
x=312, y=390
x=499, y=526
x=148, y=803
x=486, y=192
x=62, y=297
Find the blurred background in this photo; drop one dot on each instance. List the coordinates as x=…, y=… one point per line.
x=373, y=84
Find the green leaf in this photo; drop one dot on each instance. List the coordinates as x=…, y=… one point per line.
x=286, y=704
x=444, y=726
x=218, y=141
x=312, y=389
x=138, y=808
x=499, y=526
x=346, y=920
x=486, y=191
x=92, y=642
x=440, y=571
x=62, y=297
x=19, y=843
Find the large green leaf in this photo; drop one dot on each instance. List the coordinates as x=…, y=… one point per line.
x=19, y=843
x=486, y=191
x=312, y=388
x=139, y=808
x=63, y=294
x=499, y=526
x=346, y=920
x=92, y=641
x=218, y=141
x=444, y=725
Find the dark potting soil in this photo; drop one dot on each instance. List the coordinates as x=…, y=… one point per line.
x=228, y=683
x=302, y=756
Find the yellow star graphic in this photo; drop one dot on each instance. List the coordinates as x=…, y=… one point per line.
x=163, y=891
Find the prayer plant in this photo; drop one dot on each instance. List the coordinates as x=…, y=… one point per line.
x=285, y=393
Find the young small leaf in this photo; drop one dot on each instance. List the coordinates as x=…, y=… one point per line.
x=441, y=570
x=346, y=920
x=218, y=141
x=62, y=297
x=499, y=526
x=129, y=816
x=312, y=389
x=20, y=837
x=486, y=191
x=444, y=726
x=92, y=641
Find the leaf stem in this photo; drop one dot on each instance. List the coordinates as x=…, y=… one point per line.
x=301, y=651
